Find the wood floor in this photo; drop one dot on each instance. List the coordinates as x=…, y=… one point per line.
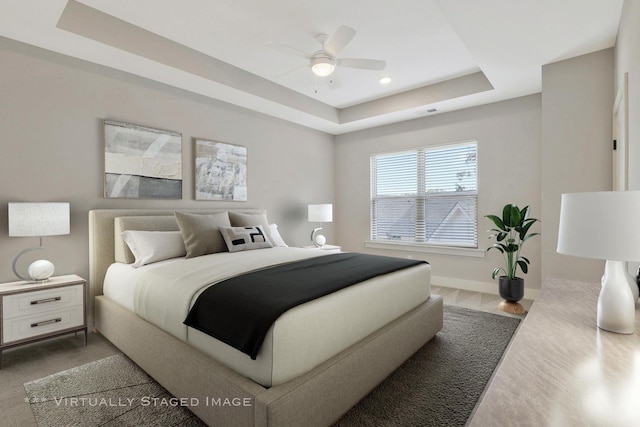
x=24, y=364
x=475, y=300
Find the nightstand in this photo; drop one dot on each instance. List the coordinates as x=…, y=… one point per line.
x=36, y=311
x=328, y=248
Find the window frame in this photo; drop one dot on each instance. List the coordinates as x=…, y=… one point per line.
x=420, y=240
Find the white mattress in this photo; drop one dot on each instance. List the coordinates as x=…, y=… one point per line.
x=300, y=339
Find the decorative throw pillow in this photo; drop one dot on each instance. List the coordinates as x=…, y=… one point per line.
x=201, y=232
x=274, y=236
x=241, y=219
x=152, y=246
x=245, y=238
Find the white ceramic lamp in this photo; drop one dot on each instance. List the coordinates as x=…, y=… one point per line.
x=28, y=219
x=320, y=213
x=604, y=225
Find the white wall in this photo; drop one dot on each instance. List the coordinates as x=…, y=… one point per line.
x=627, y=60
x=508, y=135
x=577, y=103
x=51, y=140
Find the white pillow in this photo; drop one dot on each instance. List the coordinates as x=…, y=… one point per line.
x=245, y=238
x=276, y=239
x=153, y=246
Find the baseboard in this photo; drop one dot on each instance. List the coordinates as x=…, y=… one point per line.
x=471, y=285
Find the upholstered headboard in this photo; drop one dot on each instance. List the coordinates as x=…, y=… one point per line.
x=103, y=244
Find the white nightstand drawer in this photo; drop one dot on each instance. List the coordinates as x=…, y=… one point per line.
x=20, y=328
x=41, y=301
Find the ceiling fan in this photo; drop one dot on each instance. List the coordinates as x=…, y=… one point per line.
x=323, y=62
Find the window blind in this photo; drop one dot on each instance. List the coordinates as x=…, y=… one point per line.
x=428, y=196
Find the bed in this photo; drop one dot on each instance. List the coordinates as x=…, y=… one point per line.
x=335, y=374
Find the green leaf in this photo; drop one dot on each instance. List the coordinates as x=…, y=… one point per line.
x=497, y=221
x=512, y=247
x=524, y=213
x=523, y=231
x=523, y=266
x=496, y=271
x=500, y=247
x=511, y=215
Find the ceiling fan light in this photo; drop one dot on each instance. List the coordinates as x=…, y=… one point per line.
x=322, y=66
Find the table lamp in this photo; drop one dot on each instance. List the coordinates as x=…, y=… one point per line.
x=320, y=213
x=605, y=225
x=28, y=219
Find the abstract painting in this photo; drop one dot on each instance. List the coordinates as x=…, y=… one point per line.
x=220, y=171
x=141, y=162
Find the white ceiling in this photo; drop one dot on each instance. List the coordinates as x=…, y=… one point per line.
x=441, y=54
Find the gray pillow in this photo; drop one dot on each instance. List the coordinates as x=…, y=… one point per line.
x=201, y=232
x=239, y=219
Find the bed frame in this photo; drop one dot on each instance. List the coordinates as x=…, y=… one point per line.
x=219, y=395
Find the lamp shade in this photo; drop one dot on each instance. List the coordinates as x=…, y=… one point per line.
x=321, y=213
x=601, y=225
x=38, y=219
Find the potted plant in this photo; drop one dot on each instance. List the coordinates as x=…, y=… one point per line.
x=511, y=234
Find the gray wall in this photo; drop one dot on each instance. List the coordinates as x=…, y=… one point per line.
x=508, y=135
x=531, y=150
x=52, y=144
x=51, y=139
x=577, y=126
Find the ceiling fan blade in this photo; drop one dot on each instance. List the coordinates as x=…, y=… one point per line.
x=289, y=50
x=339, y=40
x=365, y=64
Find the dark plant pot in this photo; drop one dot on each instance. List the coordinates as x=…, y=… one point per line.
x=511, y=290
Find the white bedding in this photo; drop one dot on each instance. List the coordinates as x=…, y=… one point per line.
x=300, y=339
x=120, y=281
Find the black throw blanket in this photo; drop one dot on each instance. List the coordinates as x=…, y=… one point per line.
x=239, y=311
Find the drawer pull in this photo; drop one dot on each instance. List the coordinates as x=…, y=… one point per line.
x=46, y=322
x=42, y=301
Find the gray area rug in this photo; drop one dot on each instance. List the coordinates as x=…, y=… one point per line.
x=438, y=386
x=109, y=392
x=441, y=383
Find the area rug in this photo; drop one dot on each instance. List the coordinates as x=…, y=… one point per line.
x=109, y=392
x=438, y=386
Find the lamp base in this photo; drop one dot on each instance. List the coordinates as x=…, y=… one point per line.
x=616, y=304
x=41, y=270
x=318, y=240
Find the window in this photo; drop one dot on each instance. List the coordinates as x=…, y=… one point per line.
x=426, y=196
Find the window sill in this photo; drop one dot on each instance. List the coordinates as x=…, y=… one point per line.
x=408, y=247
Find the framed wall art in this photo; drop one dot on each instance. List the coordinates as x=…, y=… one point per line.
x=141, y=162
x=220, y=171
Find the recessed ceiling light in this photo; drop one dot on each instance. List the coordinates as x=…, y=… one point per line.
x=384, y=80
